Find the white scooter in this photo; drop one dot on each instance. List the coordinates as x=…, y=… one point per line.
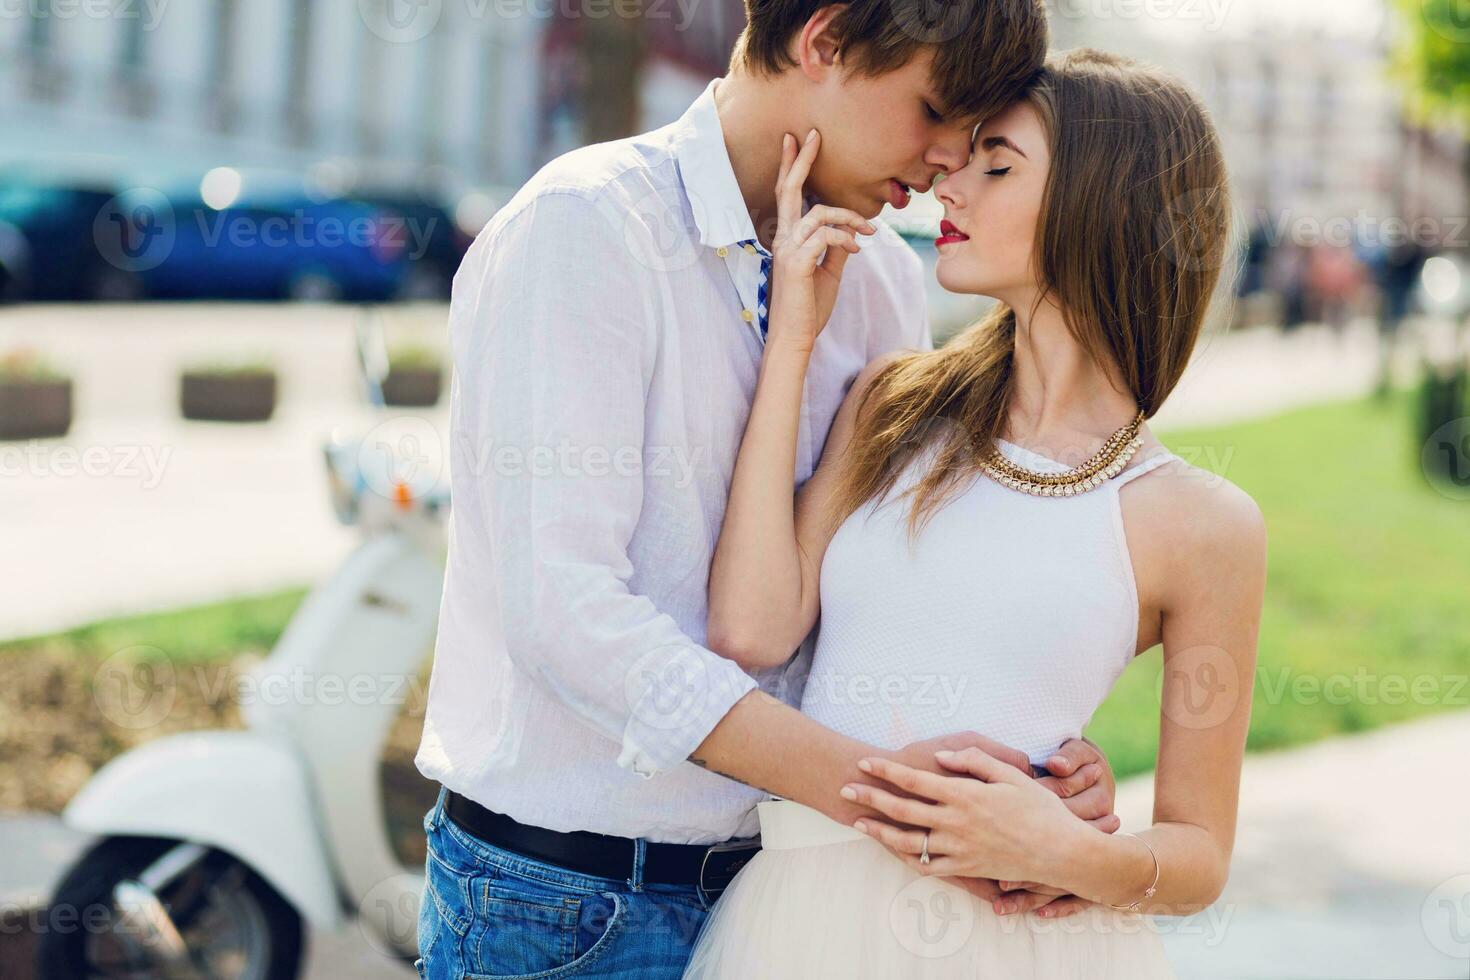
x=217, y=846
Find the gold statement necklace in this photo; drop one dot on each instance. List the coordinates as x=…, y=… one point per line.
x=1100, y=467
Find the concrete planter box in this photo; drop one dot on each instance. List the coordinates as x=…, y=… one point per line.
x=35, y=408
x=218, y=397
x=413, y=386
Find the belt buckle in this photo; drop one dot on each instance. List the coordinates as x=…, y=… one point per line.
x=724, y=870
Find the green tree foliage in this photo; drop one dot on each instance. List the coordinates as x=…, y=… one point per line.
x=1432, y=56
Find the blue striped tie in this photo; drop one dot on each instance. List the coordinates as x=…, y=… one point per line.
x=762, y=295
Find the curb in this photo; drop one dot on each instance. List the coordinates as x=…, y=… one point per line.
x=17, y=942
x=36, y=849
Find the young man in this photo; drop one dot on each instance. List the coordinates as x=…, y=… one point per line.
x=600, y=763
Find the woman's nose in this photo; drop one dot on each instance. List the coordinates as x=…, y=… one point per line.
x=947, y=191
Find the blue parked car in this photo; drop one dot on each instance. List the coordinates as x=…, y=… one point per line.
x=48, y=244
x=267, y=245
x=435, y=242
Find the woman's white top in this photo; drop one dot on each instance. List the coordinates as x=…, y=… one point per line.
x=1012, y=615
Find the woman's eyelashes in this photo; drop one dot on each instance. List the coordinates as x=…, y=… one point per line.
x=997, y=171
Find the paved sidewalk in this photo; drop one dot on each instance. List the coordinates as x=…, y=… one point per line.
x=1261, y=371
x=139, y=510
x=1352, y=862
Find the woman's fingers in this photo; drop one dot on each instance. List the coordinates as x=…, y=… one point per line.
x=846, y=244
x=926, y=784
x=836, y=258
x=823, y=214
x=1060, y=908
x=788, y=190
x=1021, y=902
x=894, y=838
x=821, y=226
x=941, y=866
x=805, y=257
x=788, y=156
x=909, y=845
x=902, y=809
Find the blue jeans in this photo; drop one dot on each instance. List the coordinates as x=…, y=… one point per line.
x=489, y=912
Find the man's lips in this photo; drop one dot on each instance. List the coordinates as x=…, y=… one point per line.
x=898, y=193
x=949, y=234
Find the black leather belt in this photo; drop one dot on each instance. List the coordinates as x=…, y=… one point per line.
x=710, y=866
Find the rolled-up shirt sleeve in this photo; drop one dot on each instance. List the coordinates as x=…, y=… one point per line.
x=553, y=375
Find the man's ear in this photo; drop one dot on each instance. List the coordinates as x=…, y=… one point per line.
x=817, y=52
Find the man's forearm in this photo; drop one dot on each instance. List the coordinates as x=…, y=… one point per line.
x=772, y=746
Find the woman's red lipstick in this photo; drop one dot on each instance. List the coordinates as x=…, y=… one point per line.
x=948, y=234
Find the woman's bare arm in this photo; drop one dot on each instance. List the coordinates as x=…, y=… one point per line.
x=1210, y=599
x=763, y=595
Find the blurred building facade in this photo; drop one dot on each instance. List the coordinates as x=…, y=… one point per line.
x=269, y=83
x=477, y=92
x=1314, y=126
x=458, y=91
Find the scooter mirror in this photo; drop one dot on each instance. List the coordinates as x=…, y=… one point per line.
x=372, y=355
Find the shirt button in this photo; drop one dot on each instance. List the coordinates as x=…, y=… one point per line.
x=722, y=251
x=747, y=316
x=750, y=248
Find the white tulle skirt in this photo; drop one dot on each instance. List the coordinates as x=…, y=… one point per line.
x=824, y=900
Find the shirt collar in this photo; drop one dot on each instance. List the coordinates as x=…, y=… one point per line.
x=714, y=195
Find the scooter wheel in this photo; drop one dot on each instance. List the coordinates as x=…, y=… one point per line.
x=224, y=917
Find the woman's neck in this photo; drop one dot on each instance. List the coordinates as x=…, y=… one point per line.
x=1063, y=404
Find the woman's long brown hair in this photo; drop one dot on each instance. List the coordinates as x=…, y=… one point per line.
x=1133, y=231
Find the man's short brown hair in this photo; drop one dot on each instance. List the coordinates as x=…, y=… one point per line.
x=985, y=51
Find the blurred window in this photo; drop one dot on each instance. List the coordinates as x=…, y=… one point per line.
x=222, y=106
x=298, y=73
x=135, y=90
x=38, y=31
x=46, y=79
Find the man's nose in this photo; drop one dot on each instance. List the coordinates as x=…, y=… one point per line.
x=950, y=153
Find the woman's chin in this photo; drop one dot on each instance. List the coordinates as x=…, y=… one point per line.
x=952, y=278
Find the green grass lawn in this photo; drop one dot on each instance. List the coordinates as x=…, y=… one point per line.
x=1367, y=613
x=1367, y=601
x=199, y=633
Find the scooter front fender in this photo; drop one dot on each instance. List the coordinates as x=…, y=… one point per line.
x=240, y=792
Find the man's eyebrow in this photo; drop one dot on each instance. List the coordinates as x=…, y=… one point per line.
x=948, y=111
x=991, y=142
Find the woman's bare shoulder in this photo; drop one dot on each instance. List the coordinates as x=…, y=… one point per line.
x=1199, y=513
x=847, y=411
x=877, y=364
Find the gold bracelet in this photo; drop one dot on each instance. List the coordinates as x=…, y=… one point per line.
x=1147, y=892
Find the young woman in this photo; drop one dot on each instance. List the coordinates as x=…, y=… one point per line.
x=993, y=534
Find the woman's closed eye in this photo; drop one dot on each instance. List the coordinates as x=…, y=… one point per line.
x=997, y=171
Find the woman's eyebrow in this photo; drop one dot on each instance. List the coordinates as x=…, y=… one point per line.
x=991, y=142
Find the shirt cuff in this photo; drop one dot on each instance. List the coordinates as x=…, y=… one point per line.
x=676, y=700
